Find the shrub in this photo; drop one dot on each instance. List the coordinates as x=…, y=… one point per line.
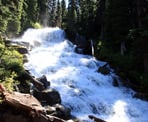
x=37, y=25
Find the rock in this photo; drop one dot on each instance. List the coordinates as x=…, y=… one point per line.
x=21, y=107
x=79, y=50
x=39, y=85
x=23, y=101
x=104, y=69
x=25, y=59
x=22, y=50
x=44, y=80
x=62, y=112
x=48, y=96
x=115, y=82
x=9, y=117
x=143, y=96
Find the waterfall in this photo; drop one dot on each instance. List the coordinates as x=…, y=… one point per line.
x=82, y=88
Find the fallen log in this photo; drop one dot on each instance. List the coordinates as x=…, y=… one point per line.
x=37, y=83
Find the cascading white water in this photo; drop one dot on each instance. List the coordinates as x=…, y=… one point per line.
x=75, y=76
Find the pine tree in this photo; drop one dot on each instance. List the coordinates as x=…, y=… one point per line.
x=58, y=17
x=117, y=23
x=32, y=10
x=99, y=18
x=87, y=16
x=71, y=15
x=52, y=12
x=43, y=15
x=14, y=24
x=4, y=16
x=63, y=13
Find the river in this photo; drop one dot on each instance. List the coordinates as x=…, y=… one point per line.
x=82, y=88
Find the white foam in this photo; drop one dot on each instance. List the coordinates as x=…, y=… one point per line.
x=75, y=76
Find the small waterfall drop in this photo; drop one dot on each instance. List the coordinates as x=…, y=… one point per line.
x=82, y=88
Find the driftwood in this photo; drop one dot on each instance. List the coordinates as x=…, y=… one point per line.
x=37, y=83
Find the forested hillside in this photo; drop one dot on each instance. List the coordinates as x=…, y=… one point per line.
x=119, y=29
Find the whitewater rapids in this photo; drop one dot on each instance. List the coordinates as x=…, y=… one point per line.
x=82, y=88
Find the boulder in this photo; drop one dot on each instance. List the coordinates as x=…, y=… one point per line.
x=48, y=96
x=104, y=69
x=62, y=111
x=21, y=107
x=44, y=80
x=22, y=50
x=22, y=101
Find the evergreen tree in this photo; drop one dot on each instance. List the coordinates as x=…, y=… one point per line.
x=52, y=12
x=63, y=13
x=4, y=15
x=99, y=18
x=43, y=12
x=14, y=24
x=117, y=23
x=87, y=16
x=32, y=10
x=58, y=17
x=71, y=15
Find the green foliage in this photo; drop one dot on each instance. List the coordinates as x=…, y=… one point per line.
x=31, y=12
x=125, y=62
x=4, y=17
x=117, y=23
x=52, y=13
x=71, y=16
x=37, y=25
x=63, y=13
x=11, y=66
x=58, y=14
x=9, y=82
x=112, y=21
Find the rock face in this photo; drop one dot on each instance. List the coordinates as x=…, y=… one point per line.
x=20, y=107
